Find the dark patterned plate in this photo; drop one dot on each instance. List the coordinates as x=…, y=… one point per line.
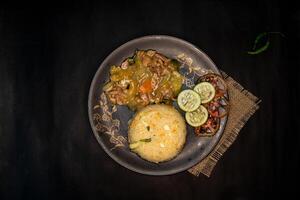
x=110, y=123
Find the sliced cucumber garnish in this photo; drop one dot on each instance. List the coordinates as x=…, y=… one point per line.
x=206, y=91
x=197, y=117
x=188, y=100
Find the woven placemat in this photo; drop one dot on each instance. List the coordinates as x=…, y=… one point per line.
x=243, y=105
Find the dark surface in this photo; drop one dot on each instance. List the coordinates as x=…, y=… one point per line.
x=48, y=56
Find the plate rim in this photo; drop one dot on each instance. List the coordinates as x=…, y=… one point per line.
x=95, y=132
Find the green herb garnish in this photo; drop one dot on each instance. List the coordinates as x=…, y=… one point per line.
x=146, y=140
x=135, y=145
x=148, y=128
x=175, y=63
x=130, y=61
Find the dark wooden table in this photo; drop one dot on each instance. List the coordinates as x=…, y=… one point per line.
x=50, y=52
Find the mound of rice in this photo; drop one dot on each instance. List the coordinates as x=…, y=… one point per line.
x=157, y=133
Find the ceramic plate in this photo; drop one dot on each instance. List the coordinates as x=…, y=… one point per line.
x=110, y=123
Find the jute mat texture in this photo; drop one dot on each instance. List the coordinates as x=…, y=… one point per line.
x=243, y=105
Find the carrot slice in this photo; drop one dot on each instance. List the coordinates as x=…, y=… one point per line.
x=146, y=86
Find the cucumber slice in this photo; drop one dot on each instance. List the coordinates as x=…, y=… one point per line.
x=206, y=91
x=197, y=117
x=188, y=100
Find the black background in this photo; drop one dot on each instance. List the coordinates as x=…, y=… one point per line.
x=49, y=53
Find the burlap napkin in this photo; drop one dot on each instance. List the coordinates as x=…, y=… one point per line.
x=243, y=105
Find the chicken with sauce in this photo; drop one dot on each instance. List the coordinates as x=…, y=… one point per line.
x=146, y=78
